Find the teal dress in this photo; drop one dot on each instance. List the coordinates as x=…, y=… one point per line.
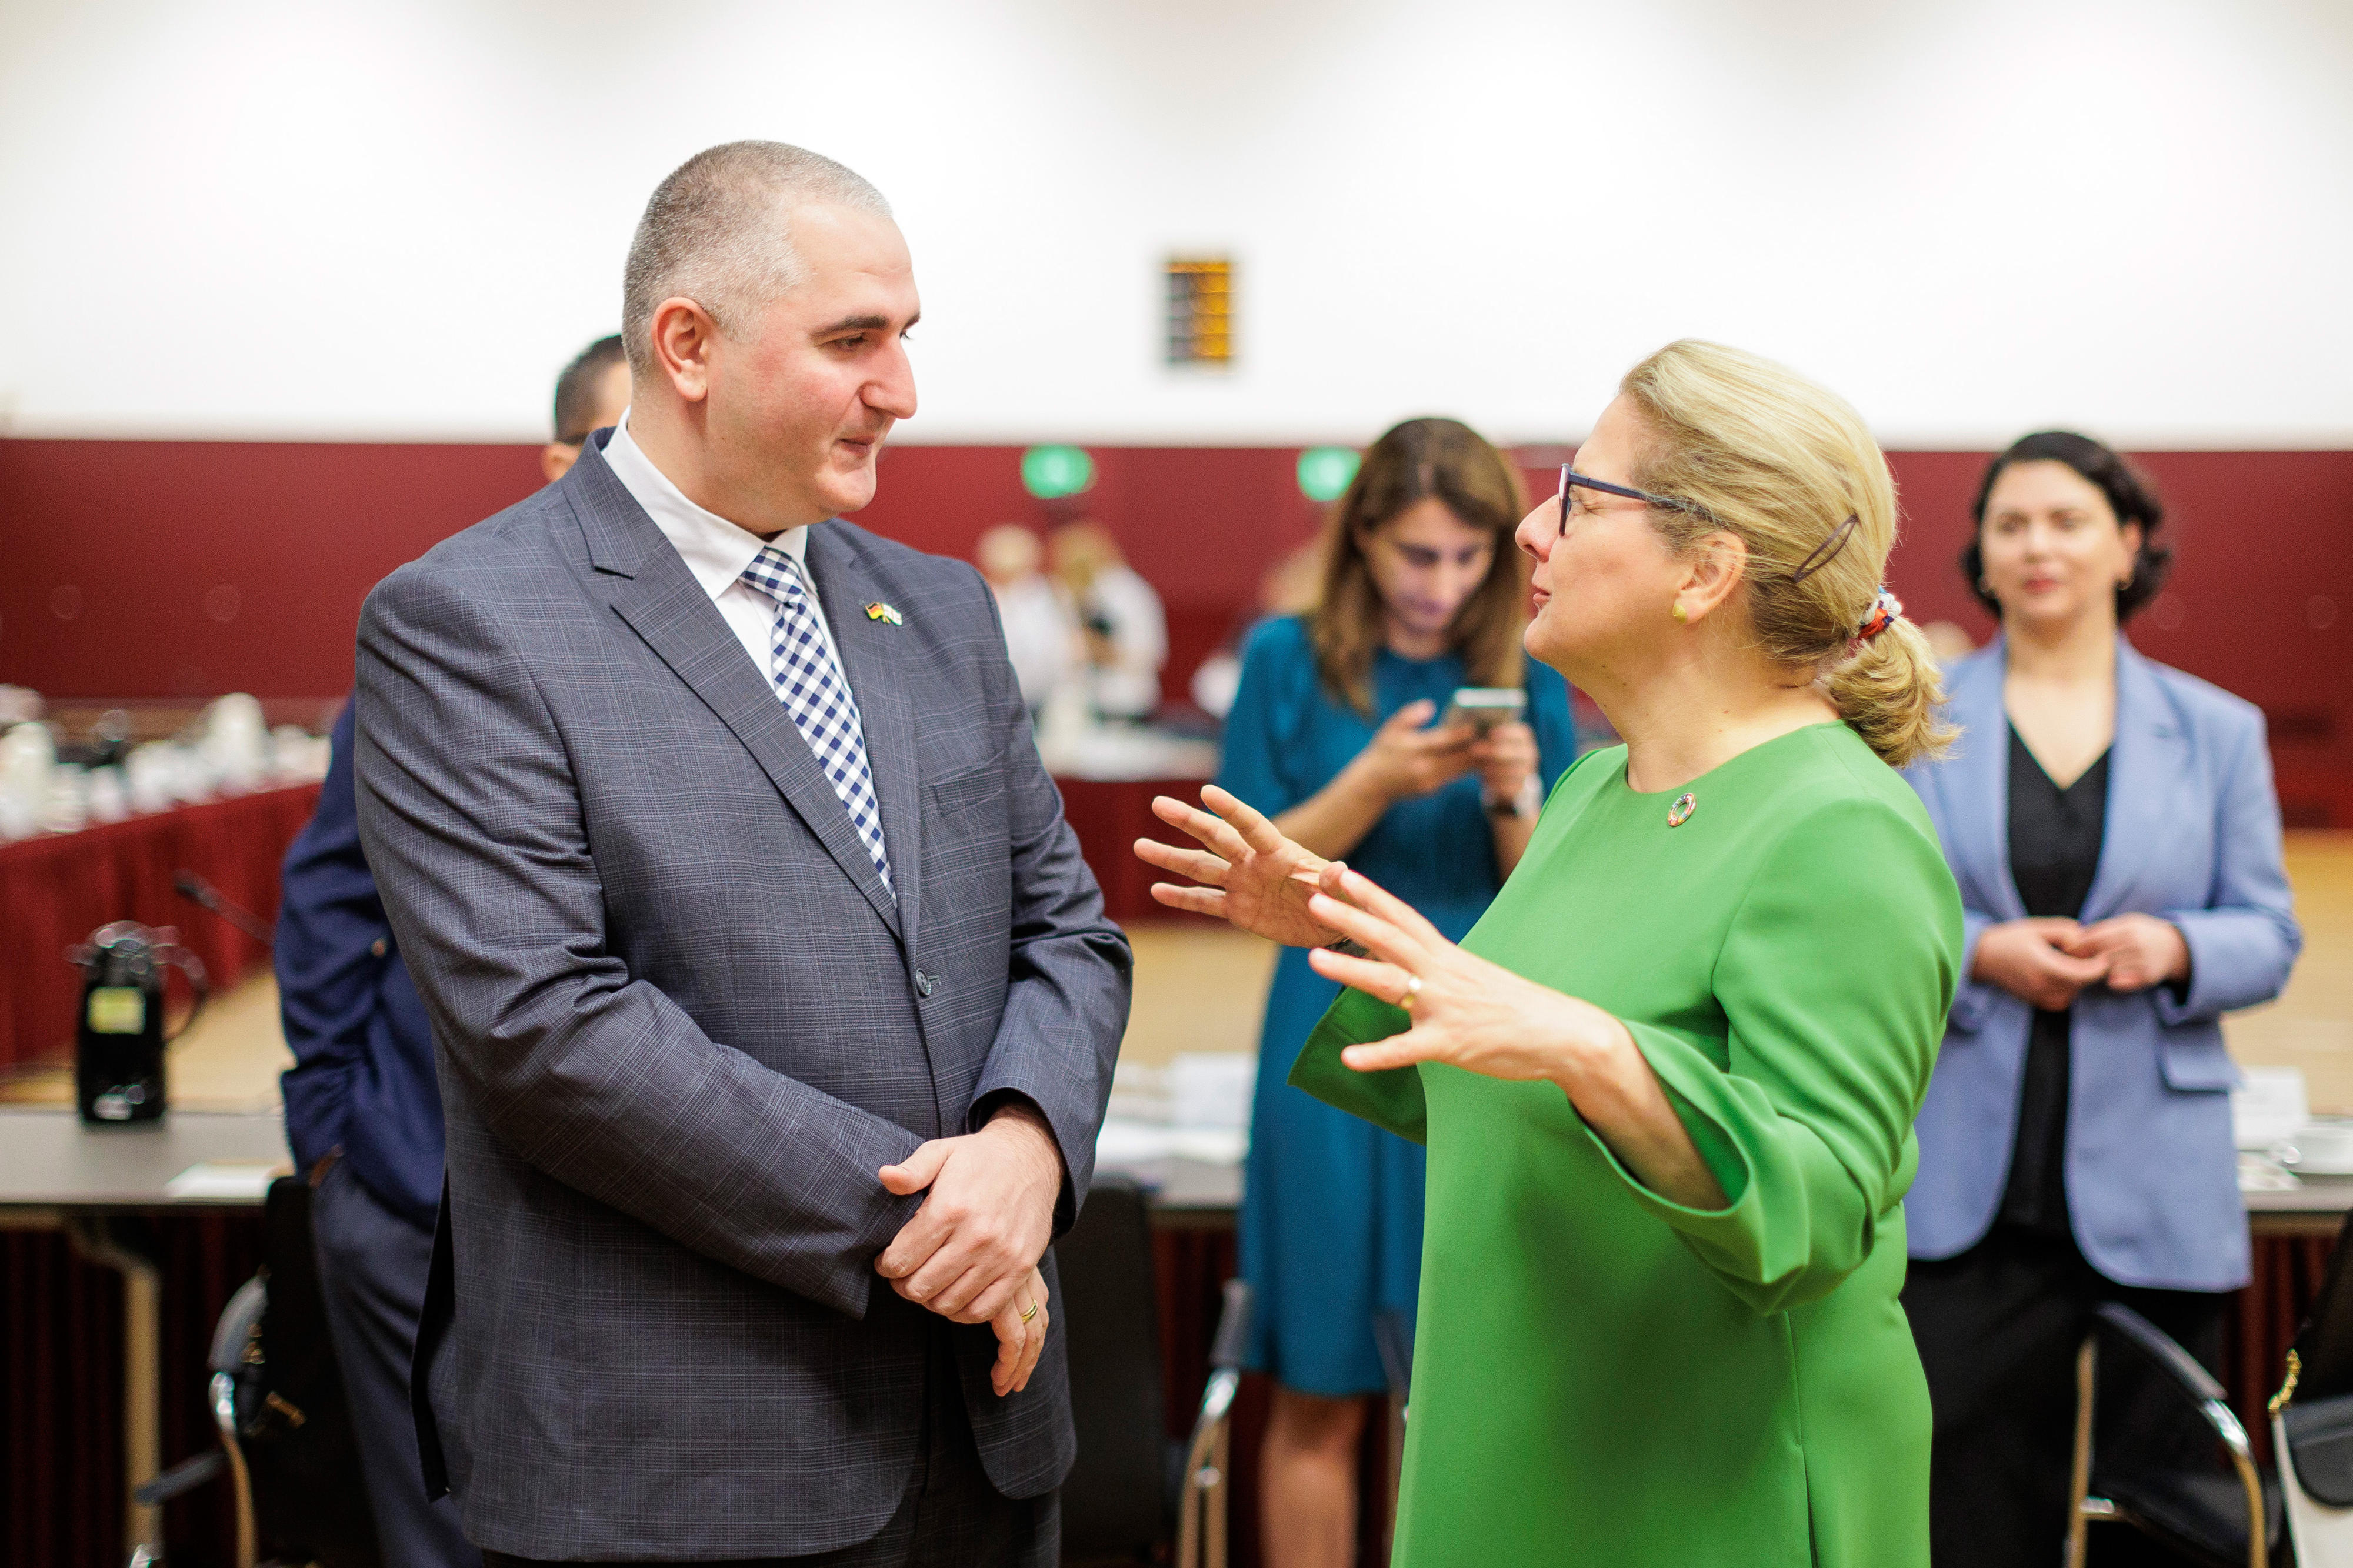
x=1332, y=1207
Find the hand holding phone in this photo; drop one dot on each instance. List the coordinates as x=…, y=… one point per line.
x=1484, y=707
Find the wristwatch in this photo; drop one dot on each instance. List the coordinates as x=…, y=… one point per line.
x=1526, y=803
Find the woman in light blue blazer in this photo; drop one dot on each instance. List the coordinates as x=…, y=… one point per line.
x=2112, y=825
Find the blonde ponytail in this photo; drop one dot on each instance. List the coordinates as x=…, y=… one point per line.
x=1888, y=692
x=1790, y=467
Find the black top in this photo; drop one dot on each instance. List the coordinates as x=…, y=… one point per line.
x=2054, y=849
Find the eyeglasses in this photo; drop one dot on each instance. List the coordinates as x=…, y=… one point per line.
x=1569, y=476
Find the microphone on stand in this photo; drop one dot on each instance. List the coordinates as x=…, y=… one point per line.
x=196, y=890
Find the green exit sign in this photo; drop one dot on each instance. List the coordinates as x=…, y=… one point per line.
x=1324, y=472
x=1051, y=473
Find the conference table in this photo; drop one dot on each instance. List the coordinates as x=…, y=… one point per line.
x=56, y=888
x=103, y=1187
x=107, y=1187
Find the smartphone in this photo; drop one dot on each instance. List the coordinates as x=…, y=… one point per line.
x=1484, y=707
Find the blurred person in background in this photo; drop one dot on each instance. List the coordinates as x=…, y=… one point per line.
x=1332, y=735
x=2112, y=825
x=1123, y=634
x=589, y=395
x=1039, y=634
x=1288, y=587
x=363, y=1109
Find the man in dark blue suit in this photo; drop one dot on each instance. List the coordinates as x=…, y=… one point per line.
x=363, y=1110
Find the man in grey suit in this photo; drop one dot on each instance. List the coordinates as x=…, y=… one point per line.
x=775, y=1009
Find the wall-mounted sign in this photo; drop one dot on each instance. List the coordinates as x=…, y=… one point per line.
x=1324, y=472
x=1051, y=473
x=1200, y=310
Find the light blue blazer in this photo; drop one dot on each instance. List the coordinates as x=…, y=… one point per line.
x=2192, y=836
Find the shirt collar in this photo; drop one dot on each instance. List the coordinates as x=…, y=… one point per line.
x=715, y=550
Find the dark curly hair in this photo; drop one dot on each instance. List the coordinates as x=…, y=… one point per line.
x=2130, y=496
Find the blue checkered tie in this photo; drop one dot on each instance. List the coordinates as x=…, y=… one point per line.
x=814, y=691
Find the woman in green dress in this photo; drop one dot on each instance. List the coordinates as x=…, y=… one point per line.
x=1667, y=1082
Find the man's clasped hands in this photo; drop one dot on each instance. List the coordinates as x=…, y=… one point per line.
x=971, y=1252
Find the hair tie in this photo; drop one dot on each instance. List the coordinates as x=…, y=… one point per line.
x=1827, y=551
x=1885, y=609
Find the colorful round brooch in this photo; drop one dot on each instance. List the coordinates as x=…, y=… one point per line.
x=1681, y=812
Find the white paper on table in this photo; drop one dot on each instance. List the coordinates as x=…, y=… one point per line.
x=242, y=1179
x=2268, y=1107
x=1126, y=1142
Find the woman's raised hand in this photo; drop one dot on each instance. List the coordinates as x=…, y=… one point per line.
x=1483, y=1018
x=1475, y=1015
x=1245, y=872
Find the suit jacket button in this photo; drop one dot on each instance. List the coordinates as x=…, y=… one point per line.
x=922, y=984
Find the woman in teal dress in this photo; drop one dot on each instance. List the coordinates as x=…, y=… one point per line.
x=1333, y=732
x=1667, y=1082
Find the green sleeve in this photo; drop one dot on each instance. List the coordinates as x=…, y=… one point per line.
x=1835, y=978
x=1390, y=1099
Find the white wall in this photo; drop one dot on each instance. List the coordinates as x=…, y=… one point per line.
x=1974, y=216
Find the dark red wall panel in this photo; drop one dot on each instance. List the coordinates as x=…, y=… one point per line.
x=172, y=569
x=190, y=568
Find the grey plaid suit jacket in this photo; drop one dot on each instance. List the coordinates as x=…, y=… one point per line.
x=681, y=1024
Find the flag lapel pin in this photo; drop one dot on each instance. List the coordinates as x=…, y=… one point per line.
x=879, y=611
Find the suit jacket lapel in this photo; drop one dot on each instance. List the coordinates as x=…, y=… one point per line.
x=875, y=655
x=1978, y=780
x=2146, y=765
x=651, y=589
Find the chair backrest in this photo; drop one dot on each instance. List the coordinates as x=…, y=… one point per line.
x=1116, y=1501
x=2323, y=1344
x=308, y=1493
x=2167, y=1451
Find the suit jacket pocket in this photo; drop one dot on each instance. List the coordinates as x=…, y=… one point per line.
x=965, y=825
x=967, y=791
x=2194, y=1058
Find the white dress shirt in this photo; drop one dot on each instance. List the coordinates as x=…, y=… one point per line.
x=716, y=551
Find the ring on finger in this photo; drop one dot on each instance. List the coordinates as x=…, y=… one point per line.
x=1030, y=1314
x=1412, y=992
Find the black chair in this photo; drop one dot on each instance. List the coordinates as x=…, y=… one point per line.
x=1119, y=1503
x=2157, y=1448
x=2312, y=1420
x=277, y=1399
x=1204, y=1498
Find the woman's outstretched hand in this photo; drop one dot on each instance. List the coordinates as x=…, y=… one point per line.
x=1245, y=871
x=1475, y=1015
x=1483, y=1018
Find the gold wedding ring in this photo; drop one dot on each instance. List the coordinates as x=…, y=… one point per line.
x=1030, y=1314
x=1412, y=990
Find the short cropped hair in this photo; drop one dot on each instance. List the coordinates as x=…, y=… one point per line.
x=715, y=233
x=2130, y=495
x=576, y=389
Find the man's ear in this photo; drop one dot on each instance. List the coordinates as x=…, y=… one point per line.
x=683, y=332
x=1718, y=564
x=555, y=460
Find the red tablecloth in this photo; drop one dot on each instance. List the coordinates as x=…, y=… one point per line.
x=1109, y=817
x=56, y=890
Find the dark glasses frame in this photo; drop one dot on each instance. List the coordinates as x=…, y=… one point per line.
x=1822, y=553
x=1569, y=476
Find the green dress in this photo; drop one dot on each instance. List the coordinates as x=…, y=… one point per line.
x=1601, y=1375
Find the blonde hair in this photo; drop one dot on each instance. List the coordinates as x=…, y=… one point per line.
x=1760, y=452
x=1418, y=461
